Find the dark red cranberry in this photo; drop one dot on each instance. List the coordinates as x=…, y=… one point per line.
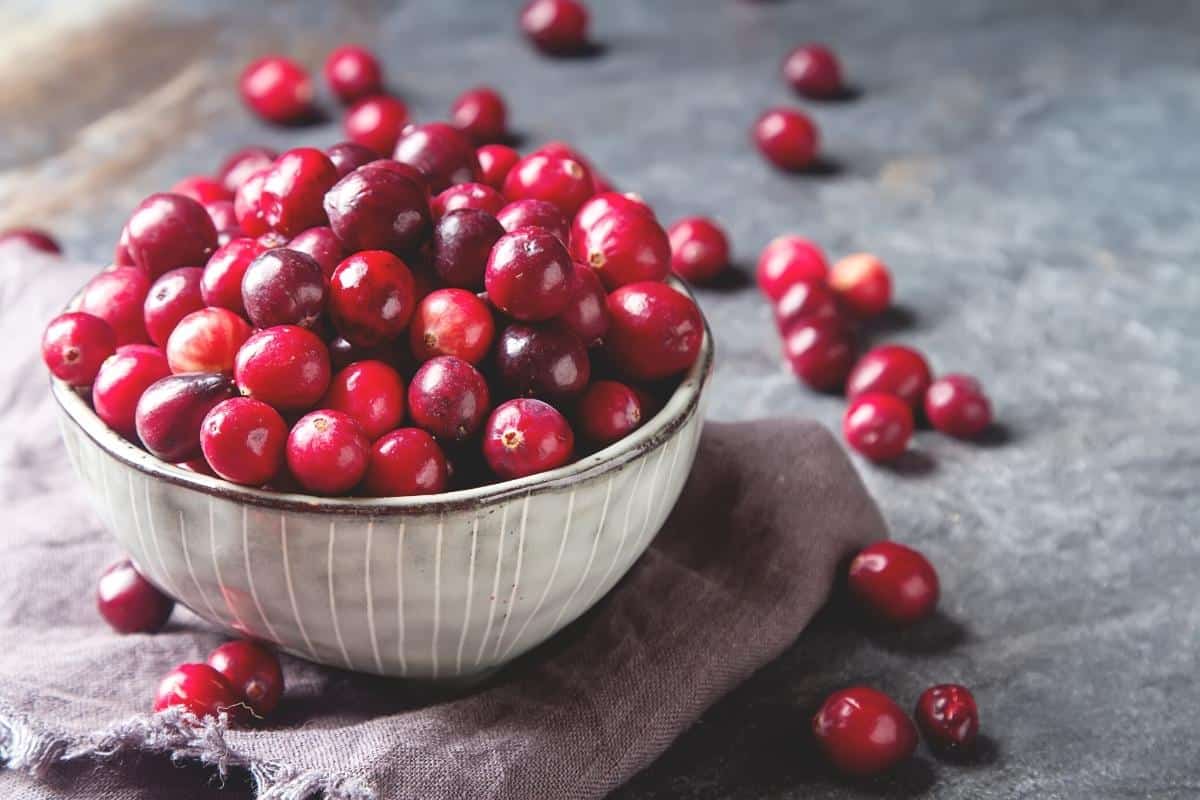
x=248, y=205
x=604, y=204
x=32, y=238
x=253, y=671
x=130, y=603
x=528, y=275
x=526, y=436
x=449, y=398
x=546, y=362
x=655, y=331
x=328, y=452
x=378, y=207
x=349, y=156
x=699, y=249
x=277, y=89
x=286, y=366
x=481, y=114
x=608, y=411
x=407, y=462
x=557, y=27
x=495, y=162
x=586, y=314
x=891, y=369
x=535, y=214
x=555, y=179
x=787, y=138
x=74, y=346
x=243, y=439
x=805, y=301
x=468, y=195
x=172, y=297
x=294, y=189
x=788, y=260
x=224, y=219
x=452, y=322
x=372, y=393
x=376, y=123
x=813, y=71
x=322, y=245
x=283, y=287
x=863, y=732
x=442, y=153
x=207, y=340
x=118, y=297
x=200, y=689
x=371, y=297
x=894, y=583
x=168, y=231
x=820, y=352
x=171, y=410
x=863, y=284
x=462, y=243
x=353, y=73
x=948, y=718
x=119, y=384
x=202, y=189
x=221, y=284
x=957, y=406
x=878, y=426
x=342, y=354
x=239, y=166
x=624, y=248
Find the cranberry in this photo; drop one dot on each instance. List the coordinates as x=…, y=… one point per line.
x=118, y=297
x=787, y=138
x=277, y=89
x=242, y=440
x=442, y=153
x=805, y=301
x=224, y=219
x=285, y=366
x=526, y=436
x=206, y=341
x=353, y=73
x=130, y=603
x=480, y=113
x=586, y=314
x=349, y=156
x=948, y=718
x=894, y=583
x=371, y=297
x=372, y=393
x=609, y=411
x=813, y=71
x=170, y=411
x=122, y=379
x=655, y=331
x=863, y=732
x=294, y=188
x=820, y=352
x=322, y=245
x=32, y=238
x=377, y=207
x=202, y=189
x=248, y=204
x=956, y=405
x=199, y=689
x=172, y=297
x=272, y=240
x=699, y=249
x=462, y=243
x=327, y=452
x=862, y=283
x=556, y=179
x=878, y=426
x=529, y=274
x=788, y=260
x=405, y=462
x=545, y=362
x=535, y=214
x=624, y=248
x=376, y=123
x=557, y=27
x=448, y=397
x=121, y=256
x=168, y=231
x=468, y=195
x=342, y=354
x=452, y=322
x=239, y=166
x=283, y=287
x=603, y=204
x=75, y=345
x=253, y=671
x=221, y=284
x=495, y=162
x=891, y=369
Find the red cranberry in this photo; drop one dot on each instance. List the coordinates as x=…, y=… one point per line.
x=119, y=384
x=894, y=583
x=283, y=287
x=118, y=297
x=206, y=341
x=75, y=345
x=327, y=452
x=699, y=249
x=376, y=123
x=349, y=156
x=862, y=283
x=878, y=426
x=243, y=439
x=787, y=138
x=468, y=195
x=529, y=274
x=244, y=163
x=863, y=732
x=557, y=27
x=372, y=393
x=462, y=243
x=480, y=113
x=172, y=297
x=170, y=411
x=248, y=204
x=624, y=248
x=32, y=238
x=202, y=189
x=788, y=260
x=294, y=189
x=586, y=314
x=378, y=207
x=371, y=297
x=535, y=214
x=891, y=369
x=495, y=162
x=130, y=603
x=253, y=671
x=224, y=219
x=200, y=689
x=526, y=436
x=448, y=397
x=406, y=462
x=452, y=322
x=609, y=411
x=820, y=352
x=556, y=179
x=813, y=71
x=342, y=354
x=121, y=256
x=805, y=301
x=655, y=331
x=442, y=153
x=322, y=245
x=948, y=718
x=604, y=204
x=286, y=366
x=168, y=231
x=546, y=362
x=221, y=284
x=956, y=405
x=277, y=89
x=353, y=73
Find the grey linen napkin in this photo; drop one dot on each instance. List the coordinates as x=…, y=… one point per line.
x=744, y=562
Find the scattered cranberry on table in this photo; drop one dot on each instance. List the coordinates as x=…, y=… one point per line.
x=376, y=123
x=878, y=426
x=327, y=452
x=207, y=340
x=32, y=238
x=820, y=352
x=786, y=261
x=407, y=461
x=893, y=583
x=441, y=152
x=891, y=369
x=862, y=731
x=956, y=405
x=526, y=436
x=372, y=393
x=863, y=284
x=128, y=602
x=805, y=301
x=353, y=73
x=813, y=71
x=556, y=27
x=243, y=439
x=200, y=689
x=699, y=249
x=253, y=671
x=481, y=114
x=75, y=345
x=787, y=138
x=277, y=89
x=948, y=718
x=495, y=162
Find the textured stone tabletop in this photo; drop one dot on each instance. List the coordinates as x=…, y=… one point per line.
x=1029, y=170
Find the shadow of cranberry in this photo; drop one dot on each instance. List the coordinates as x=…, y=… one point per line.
x=896, y=319
x=912, y=463
x=733, y=278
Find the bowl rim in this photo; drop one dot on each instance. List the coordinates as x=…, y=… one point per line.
x=683, y=403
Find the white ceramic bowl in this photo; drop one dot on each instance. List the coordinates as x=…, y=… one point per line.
x=437, y=587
